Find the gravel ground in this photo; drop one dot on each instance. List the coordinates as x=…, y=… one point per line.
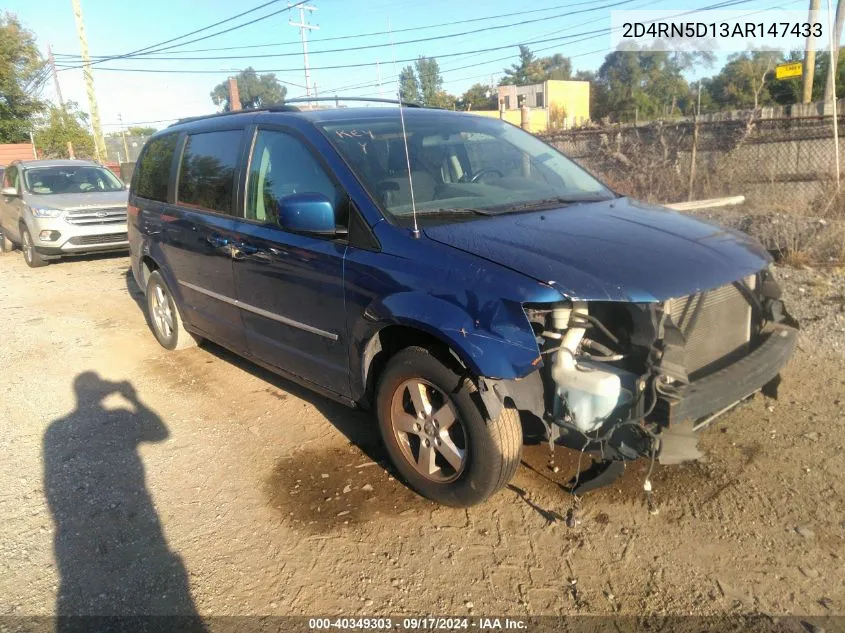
x=137, y=480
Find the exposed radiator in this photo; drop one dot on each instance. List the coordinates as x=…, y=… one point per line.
x=721, y=331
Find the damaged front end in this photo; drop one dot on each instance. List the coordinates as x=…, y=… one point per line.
x=628, y=380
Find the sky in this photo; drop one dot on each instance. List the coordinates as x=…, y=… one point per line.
x=157, y=98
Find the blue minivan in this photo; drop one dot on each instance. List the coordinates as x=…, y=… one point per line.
x=457, y=276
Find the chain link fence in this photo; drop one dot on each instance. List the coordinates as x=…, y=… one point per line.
x=784, y=167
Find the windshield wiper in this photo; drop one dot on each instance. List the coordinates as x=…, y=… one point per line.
x=545, y=203
x=455, y=211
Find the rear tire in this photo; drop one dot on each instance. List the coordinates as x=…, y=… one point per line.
x=163, y=316
x=437, y=435
x=32, y=258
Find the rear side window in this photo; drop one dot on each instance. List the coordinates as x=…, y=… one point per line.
x=153, y=172
x=207, y=174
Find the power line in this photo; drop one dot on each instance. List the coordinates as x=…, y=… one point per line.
x=361, y=35
x=596, y=32
x=489, y=61
x=153, y=48
x=304, y=28
x=384, y=45
x=592, y=35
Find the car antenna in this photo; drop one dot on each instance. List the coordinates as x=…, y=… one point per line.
x=416, y=230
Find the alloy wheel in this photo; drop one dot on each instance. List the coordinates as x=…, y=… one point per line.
x=162, y=312
x=27, y=246
x=429, y=431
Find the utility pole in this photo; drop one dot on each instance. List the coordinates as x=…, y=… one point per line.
x=378, y=74
x=834, y=44
x=836, y=37
x=52, y=62
x=810, y=56
x=99, y=143
x=304, y=27
x=123, y=134
x=234, y=95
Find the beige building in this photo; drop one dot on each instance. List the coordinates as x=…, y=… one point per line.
x=567, y=103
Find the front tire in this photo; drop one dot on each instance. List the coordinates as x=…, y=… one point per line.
x=436, y=434
x=163, y=316
x=32, y=258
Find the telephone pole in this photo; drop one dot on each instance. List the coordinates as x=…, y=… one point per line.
x=123, y=134
x=836, y=35
x=99, y=143
x=52, y=61
x=810, y=56
x=304, y=27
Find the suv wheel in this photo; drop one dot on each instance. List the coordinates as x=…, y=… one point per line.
x=436, y=434
x=6, y=245
x=163, y=316
x=30, y=255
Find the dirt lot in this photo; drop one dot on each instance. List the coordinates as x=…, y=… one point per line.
x=140, y=480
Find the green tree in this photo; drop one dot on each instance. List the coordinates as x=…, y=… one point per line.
x=137, y=130
x=409, y=87
x=744, y=81
x=523, y=72
x=58, y=127
x=532, y=70
x=22, y=73
x=254, y=90
x=478, y=97
x=443, y=99
x=422, y=83
x=556, y=67
x=643, y=84
x=430, y=80
x=788, y=91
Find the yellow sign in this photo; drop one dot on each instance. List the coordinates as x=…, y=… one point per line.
x=787, y=71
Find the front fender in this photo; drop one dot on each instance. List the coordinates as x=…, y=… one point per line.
x=497, y=342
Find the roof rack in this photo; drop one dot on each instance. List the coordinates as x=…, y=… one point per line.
x=284, y=107
x=407, y=104
x=276, y=107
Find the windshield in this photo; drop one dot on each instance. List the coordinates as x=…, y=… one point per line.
x=459, y=164
x=71, y=179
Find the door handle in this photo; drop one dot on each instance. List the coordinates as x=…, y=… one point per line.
x=217, y=241
x=239, y=250
x=245, y=248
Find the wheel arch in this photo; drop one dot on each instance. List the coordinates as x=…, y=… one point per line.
x=146, y=266
x=392, y=338
x=443, y=327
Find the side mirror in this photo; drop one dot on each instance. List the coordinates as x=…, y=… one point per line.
x=311, y=213
x=9, y=191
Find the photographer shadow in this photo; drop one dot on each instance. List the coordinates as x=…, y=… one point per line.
x=112, y=556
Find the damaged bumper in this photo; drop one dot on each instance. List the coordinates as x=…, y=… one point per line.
x=731, y=384
x=625, y=381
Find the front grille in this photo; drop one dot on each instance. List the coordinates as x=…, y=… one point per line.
x=109, y=215
x=719, y=333
x=89, y=240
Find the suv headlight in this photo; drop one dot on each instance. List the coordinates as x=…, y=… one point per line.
x=45, y=212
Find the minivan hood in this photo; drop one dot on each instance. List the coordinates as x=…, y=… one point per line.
x=74, y=201
x=614, y=250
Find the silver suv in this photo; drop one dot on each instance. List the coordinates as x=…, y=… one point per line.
x=52, y=208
